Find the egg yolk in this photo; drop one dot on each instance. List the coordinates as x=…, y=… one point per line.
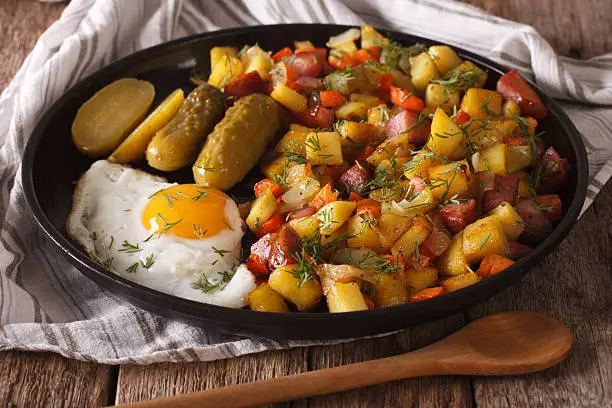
x=187, y=211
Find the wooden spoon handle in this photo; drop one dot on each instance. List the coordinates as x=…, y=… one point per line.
x=299, y=386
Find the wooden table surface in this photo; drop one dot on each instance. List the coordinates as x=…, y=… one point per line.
x=573, y=284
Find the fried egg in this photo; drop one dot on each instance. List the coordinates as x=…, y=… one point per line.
x=181, y=239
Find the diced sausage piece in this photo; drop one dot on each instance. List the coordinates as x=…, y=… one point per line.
x=327, y=69
x=317, y=117
x=537, y=226
x=516, y=250
x=551, y=172
x=263, y=246
x=285, y=245
x=354, y=179
x=405, y=120
x=305, y=84
x=505, y=190
x=457, y=216
x=516, y=89
x=306, y=64
x=246, y=84
x=301, y=213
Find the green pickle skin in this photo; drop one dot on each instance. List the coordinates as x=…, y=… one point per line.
x=237, y=142
x=177, y=144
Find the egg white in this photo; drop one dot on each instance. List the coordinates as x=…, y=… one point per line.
x=108, y=203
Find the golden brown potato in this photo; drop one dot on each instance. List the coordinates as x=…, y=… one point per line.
x=389, y=291
x=266, y=299
x=284, y=281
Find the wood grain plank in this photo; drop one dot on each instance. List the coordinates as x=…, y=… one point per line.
x=49, y=380
x=573, y=284
x=580, y=29
x=137, y=383
x=420, y=392
x=21, y=23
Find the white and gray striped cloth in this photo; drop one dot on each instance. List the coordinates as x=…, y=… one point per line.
x=45, y=304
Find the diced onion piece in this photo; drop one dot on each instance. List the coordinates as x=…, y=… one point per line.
x=351, y=34
x=329, y=274
x=300, y=194
x=418, y=205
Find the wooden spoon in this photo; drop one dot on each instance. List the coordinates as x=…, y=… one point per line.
x=502, y=344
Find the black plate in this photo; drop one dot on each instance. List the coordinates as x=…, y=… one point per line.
x=51, y=164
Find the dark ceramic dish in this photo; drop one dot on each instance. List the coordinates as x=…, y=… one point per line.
x=51, y=164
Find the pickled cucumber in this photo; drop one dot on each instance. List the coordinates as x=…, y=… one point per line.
x=177, y=144
x=109, y=116
x=237, y=142
x=133, y=148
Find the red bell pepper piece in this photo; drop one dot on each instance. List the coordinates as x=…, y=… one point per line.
x=331, y=99
x=406, y=100
x=279, y=55
x=272, y=225
x=325, y=196
x=265, y=184
x=257, y=265
x=462, y=117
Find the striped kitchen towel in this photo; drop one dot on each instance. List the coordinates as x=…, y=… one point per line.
x=45, y=304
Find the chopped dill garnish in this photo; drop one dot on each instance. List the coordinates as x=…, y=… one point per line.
x=295, y=157
x=170, y=199
x=220, y=252
x=197, y=231
x=484, y=242
x=148, y=263
x=207, y=286
x=129, y=248
x=132, y=268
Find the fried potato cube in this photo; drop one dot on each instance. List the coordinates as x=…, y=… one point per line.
x=262, y=210
x=409, y=242
x=306, y=226
x=482, y=103
x=266, y=299
x=460, y=281
x=446, y=135
x=389, y=291
x=324, y=148
x=510, y=221
x=333, y=216
x=284, y=281
x=482, y=237
x=363, y=229
x=453, y=261
x=422, y=70
x=289, y=98
x=449, y=180
x=345, y=297
x=445, y=97
x=444, y=57
x=417, y=279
